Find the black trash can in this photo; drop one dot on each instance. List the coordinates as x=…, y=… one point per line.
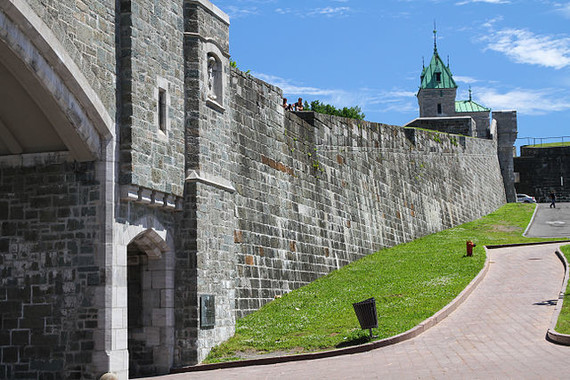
x=366, y=314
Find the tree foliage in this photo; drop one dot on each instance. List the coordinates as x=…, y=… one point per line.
x=350, y=112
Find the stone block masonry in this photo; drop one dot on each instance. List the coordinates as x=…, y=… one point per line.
x=199, y=186
x=316, y=192
x=542, y=171
x=48, y=271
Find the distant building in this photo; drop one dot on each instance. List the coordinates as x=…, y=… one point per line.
x=543, y=169
x=440, y=111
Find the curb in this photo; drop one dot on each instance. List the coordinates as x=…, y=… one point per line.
x=531, y=220
x=525, y=244
x=412, y=333
x=551, y=334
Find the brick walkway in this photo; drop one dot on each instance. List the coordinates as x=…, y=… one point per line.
x=497, y=333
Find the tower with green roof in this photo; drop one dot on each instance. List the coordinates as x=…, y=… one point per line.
x=440, y=111
x=436, y=96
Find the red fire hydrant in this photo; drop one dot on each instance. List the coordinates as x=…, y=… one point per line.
x=470, y=246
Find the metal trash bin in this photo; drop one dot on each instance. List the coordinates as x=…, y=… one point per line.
x=366, y=314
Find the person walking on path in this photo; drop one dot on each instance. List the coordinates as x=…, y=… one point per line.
x=552, y=200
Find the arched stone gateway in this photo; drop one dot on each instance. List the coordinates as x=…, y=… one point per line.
x=150, y=305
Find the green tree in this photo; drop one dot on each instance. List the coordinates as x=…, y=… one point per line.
x=350, y=112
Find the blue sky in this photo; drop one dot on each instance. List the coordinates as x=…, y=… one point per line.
x=515, y=54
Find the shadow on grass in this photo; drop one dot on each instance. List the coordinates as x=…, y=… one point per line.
x=354, y=342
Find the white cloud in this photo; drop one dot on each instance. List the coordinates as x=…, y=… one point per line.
x=330, y=11
x=483, y=1
x=237, y=12
x=464, y=79
x=523, y=46
x=525, y=101
x=367, y=99
x=283, y=11
x=315, y=12
x=290, y=88
x=563, y=9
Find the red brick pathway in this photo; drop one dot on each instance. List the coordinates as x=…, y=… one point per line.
x=497, y=333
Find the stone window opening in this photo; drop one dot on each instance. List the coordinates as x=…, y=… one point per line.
x=439, y=112
x=162, y=110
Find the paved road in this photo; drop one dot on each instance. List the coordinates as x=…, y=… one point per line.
x=551, y=222
x=497, y=333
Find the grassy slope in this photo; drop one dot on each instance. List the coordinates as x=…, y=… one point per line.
x=563, y=325
x=410, y=282
x=549, y=145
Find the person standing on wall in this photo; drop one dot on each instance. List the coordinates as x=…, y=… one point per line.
x=552, y=200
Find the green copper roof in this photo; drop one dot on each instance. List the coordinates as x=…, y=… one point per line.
x=469, y=106
x=437, y=75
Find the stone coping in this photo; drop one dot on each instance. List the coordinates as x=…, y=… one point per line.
x=412, y=333
x=551, y=334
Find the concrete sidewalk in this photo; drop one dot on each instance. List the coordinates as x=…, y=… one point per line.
x=550, y=222
x=498, y=332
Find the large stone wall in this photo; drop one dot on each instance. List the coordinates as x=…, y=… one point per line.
x=49, y=270
x=315, y=192
x=86, y=29
x=459, y=125
x=235, y=198
x=506, y=122
x=542, y=171
x=152, y=62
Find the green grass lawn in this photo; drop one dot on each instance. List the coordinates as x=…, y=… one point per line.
x=410, y=282
x=549, y=145
x=563, y=325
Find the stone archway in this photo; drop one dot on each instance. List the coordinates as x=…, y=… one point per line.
x=150, y=291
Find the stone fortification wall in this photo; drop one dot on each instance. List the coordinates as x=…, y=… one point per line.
x=86, y=29
x=506, y=122
x=459, y=125
x=49, y=271
x=315, y=192
x=481, y=123
x=542, y=171
x=151, y=71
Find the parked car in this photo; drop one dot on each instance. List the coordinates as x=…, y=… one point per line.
x=523, y=198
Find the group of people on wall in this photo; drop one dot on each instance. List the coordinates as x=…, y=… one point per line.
x=293, y=107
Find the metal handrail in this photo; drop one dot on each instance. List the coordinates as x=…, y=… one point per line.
x=544, y=140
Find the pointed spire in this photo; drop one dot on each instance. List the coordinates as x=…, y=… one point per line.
x=434, y=38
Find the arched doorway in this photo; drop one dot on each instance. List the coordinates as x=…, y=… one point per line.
x=150, y=290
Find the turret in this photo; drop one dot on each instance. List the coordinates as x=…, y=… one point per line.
x=436, y=96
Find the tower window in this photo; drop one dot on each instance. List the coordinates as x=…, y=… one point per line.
x=162, y=109
x=439, y=108
x=438, y=77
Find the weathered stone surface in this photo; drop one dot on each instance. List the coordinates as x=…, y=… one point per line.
x=96, y=275
x=47, y=297
x=542, y=171
x=314, y=197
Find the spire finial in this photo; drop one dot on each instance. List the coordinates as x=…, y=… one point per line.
x=434, y=37
x=469, y=93
x=423, y=63
x=448, y=61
